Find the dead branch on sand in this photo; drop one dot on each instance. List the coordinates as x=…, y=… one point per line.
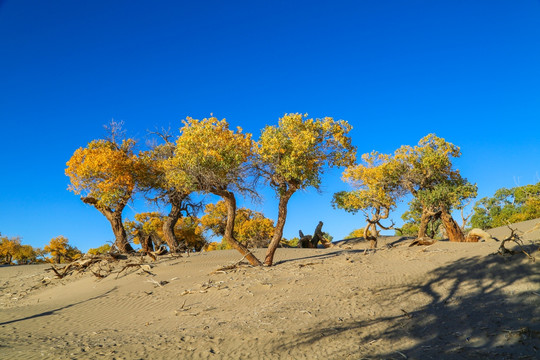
x=422, y=241
x=514, y=237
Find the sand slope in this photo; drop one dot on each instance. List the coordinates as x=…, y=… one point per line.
x=449, y=300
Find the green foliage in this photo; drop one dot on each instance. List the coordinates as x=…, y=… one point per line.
x=507, y=206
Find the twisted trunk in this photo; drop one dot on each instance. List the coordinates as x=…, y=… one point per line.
x=169, y=224
x=121, y=240
x=278, y=230
x=230, y=203
x=452, y=228
x=115, y=218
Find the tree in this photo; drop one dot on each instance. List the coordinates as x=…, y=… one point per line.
x=211, y=158
x=507, y=206
x=25, y=254
x=428, y=174
x=293, y=155
x=358, y=233
x=377, y=187
x=61, y=251
x=412, y=219
x=147, y=230
x=104, y=174
x=152, y=180
x=9, y=247
x=251, y=228
x=102, y=250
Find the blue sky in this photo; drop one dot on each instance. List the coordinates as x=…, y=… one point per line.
x=396, y=70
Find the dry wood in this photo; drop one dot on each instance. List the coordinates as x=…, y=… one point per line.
x=515, y=238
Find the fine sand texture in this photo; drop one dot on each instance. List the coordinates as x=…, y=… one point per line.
x=444, y=301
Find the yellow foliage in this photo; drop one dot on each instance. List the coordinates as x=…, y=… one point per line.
x=251, y=228
x=208, y=155
x=188, y=229
x=103, y=249
x=61, y=251
x=103, y=171
x=293, y=153
x=9, y=248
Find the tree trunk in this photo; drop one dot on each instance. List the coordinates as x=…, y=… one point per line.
x=115, y=218
x=168, y=227
x=230, y=202
x=371, y=236
x=424, y=222
x=146, y=244
x=452, y=228
x=121, y=241
x=317, y=235
x=278, y=230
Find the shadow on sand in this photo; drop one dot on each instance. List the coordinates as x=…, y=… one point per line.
x=470, y=313
x=52, y=312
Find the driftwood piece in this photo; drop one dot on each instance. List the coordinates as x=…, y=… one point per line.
x=423, y=241
x=309, y=241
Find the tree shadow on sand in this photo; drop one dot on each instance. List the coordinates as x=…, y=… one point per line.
x=474, y=308
x=52, y=312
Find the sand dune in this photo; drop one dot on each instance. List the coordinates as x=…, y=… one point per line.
x=448, y=300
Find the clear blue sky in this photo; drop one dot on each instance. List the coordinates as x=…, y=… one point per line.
x=396, y=70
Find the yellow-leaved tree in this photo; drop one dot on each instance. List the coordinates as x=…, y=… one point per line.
x=104, y=173
x=9, y=247
x=211, y=158
x=251, y=228
x=152, y=181
x=293, y=155
x=61, y=251
x=376, y=186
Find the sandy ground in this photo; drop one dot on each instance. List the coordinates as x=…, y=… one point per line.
x=446, y=301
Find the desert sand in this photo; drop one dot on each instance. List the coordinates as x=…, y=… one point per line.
x=445, y=301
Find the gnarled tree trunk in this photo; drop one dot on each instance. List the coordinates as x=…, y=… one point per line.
x=452, y=228
x=169, y=224
x=278, y=230
x=121, y=241
x=115, y=218
x=371, y=235
x=230, y=202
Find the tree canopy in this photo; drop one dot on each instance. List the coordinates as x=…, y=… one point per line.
x=507, y=206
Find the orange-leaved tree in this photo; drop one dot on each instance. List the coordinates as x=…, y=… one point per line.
x=9, y=248
x=251, y=228
x=293, y=155
x=104, y=173
x=211, y=158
